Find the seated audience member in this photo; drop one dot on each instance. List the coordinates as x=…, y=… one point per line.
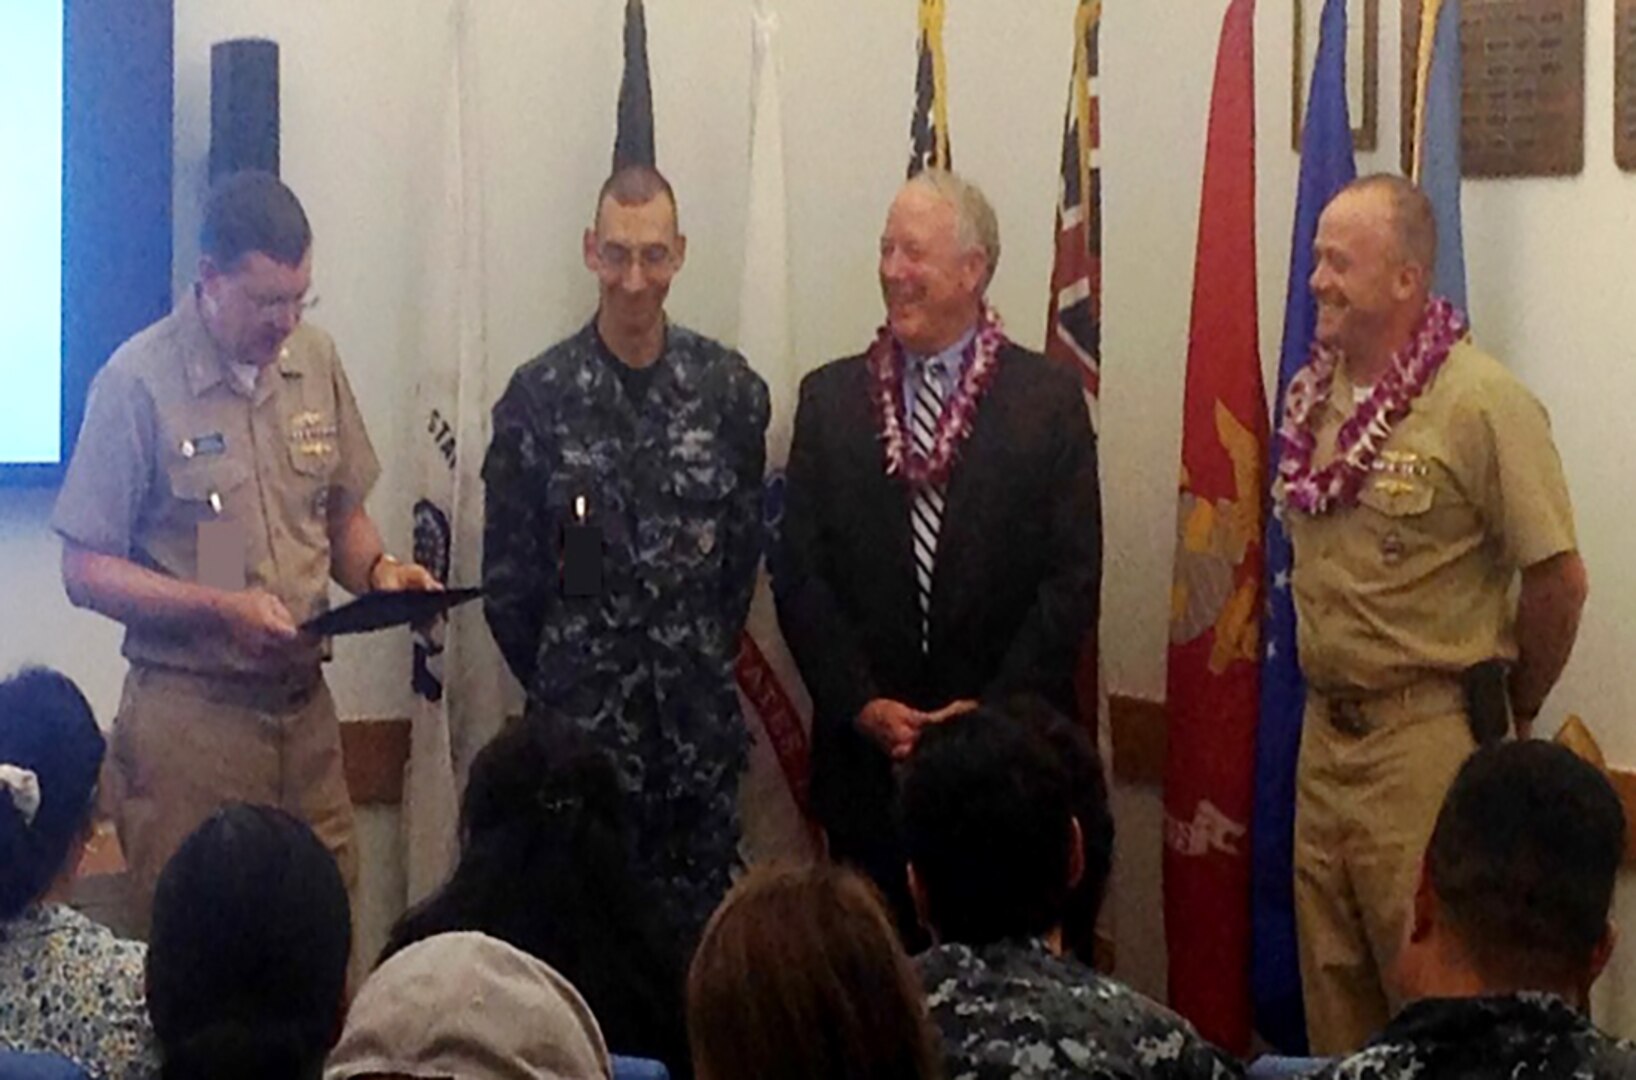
x=247, y=955
x=1508, y=928
x=545, y=865
x=1088, y=794
x=994, y=850
x=470, y=1007
x=800, y=976
x=67, y=985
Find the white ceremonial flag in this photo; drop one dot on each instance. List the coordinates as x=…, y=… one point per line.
x=456, y=675
x=776, y=704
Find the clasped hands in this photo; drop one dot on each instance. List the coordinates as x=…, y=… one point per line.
x=895, y=727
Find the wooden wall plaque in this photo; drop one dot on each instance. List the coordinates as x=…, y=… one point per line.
x=1624, y=85
x=1524, y=86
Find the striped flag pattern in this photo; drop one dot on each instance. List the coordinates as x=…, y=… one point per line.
x=1073, y=332
x=929, y=128
x=1074, y=322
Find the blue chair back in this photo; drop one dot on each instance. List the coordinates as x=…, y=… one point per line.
x=1273, y=1067
x=17, y=1066
x=629, y=1068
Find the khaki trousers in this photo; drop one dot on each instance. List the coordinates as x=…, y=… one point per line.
x=1370, y=780
x=184, y=745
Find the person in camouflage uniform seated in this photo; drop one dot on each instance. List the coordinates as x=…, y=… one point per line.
x=1509, y=928
x=994, y=847
x=622, y=535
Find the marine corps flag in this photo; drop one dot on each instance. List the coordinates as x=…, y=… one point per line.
x=1212, y=685
x=929, y=129
x=633, y=143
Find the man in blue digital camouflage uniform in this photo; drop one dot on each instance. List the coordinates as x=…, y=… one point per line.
x=621, y=541
x=994, y=840
x=1508, y=928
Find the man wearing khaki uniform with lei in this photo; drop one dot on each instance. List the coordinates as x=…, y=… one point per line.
x=217, y=487
x=1418, y=481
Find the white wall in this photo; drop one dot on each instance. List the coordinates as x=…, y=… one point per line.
x=1549, y=259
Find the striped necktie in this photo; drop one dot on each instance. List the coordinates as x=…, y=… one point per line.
x=926, y=510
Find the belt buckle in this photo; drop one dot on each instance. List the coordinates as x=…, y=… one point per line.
x=1346, y=716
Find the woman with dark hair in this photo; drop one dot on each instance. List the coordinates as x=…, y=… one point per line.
x=800, y=975
x=248, y=954
x=545, y=865
x=67, y=985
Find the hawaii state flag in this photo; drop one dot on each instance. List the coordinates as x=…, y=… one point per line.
x=1213, y=679
x=1073, y=330
x=1074, y=323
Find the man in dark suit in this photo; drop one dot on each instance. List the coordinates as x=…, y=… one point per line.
x=942, y=536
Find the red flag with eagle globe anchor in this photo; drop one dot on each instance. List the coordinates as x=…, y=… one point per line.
x=1213, y=677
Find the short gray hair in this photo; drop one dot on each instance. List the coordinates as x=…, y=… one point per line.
x=976, y=226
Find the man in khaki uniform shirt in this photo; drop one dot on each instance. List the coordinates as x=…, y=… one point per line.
x=218, y=485
x=1401, y=586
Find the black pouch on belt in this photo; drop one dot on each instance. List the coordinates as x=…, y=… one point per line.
x=1488, y=705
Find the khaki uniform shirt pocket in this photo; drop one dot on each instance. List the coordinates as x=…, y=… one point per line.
x=209, y=520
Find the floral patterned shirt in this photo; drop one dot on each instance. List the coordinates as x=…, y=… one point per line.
x=68, y=986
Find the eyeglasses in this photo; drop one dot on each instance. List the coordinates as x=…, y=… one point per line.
x=619, y=257
x=275, y=306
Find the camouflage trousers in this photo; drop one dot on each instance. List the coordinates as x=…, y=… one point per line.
x=681, y=773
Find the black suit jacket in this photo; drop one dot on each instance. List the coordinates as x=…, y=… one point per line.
x=1016, y=581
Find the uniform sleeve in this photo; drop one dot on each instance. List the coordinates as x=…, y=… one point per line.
x=1521, y=489
x=358, y=467
x=745, y=425
x=519, y=561
x=107, y=485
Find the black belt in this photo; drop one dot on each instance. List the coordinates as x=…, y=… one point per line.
x=1352, y=712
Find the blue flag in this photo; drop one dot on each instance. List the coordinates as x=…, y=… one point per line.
x=1275, y=973
x=1437, y=141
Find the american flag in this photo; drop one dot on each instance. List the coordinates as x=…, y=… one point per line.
x=929, y=127
x=1074, y=326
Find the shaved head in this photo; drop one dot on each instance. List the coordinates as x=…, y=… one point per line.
x=1412, y=217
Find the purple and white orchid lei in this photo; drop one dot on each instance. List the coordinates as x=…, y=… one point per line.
x=1360, y=439
x=886, y=360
